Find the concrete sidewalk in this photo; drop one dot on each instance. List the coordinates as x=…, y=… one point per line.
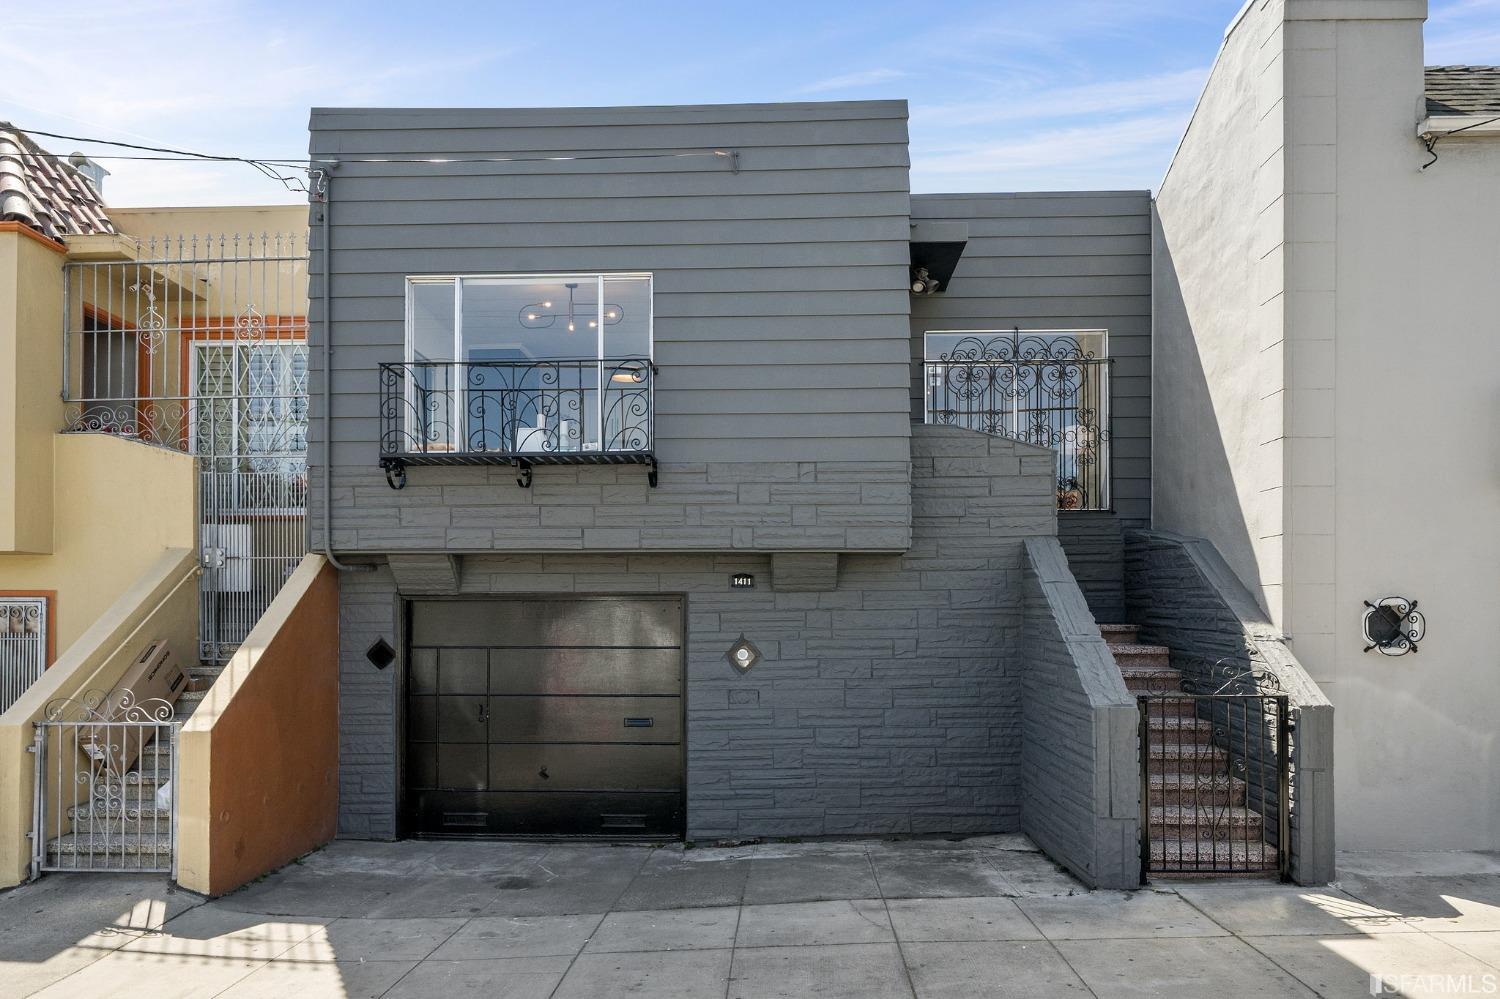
x=986, y=916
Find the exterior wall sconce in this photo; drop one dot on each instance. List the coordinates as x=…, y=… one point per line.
x=1393, y=626
x=743, y=654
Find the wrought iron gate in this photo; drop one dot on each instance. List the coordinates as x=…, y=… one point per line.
x=104, y=772
x=200, y=345
x=1215, y=783
x=23, y=645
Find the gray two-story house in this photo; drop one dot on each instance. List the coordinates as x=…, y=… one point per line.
x=691, y=476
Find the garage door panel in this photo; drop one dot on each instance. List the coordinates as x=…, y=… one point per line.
x=463, y=671
x=545, y=716
x=547, y=813
x=586, y=671
x=463, y=768
x=421, y=719
x=422, y=764
x=462, y=719
x=643, y=623
x=585, y=768
x=422, y=676
x=585, y=719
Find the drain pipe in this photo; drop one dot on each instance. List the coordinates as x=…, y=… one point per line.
x=323, y=188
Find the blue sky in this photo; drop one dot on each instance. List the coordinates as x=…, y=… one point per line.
x=1021, y=95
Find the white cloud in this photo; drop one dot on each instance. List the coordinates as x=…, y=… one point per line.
x=215, y=76
x=1110, y=96
x=853, y=81
x=1130, y=153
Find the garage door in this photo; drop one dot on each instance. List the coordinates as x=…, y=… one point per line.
x=544, y=717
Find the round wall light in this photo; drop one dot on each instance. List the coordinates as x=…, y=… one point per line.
x=743, y=654
x=1393, y=626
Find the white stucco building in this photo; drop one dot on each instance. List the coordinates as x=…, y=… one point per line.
x=1325, y=383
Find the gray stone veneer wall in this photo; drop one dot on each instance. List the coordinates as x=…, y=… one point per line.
x=1184, y=596
x=766, y=505
x=1080, y=746
x=888, y=704
x=1095, y=544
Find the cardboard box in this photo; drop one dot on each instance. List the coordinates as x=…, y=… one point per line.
x=151, y=683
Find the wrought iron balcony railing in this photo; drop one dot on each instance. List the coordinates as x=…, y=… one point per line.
x=1055, y=397
x=523, y=413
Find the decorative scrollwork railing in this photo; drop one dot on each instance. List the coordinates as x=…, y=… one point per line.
x=584, y=411
x=105, y=766
x=1047, y=391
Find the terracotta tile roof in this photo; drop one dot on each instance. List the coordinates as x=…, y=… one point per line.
x=1463, y=90
x=46, y=192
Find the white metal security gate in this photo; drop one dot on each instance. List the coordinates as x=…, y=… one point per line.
x=23, y=645
x=104, y=770
x=199, y=345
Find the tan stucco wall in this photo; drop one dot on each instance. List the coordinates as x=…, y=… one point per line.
x=259, y=758
x=160, y=602
x=117, y=505
x=1348, y=457
x=30, y=376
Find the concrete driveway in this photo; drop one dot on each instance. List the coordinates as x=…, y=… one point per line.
x=978, y=917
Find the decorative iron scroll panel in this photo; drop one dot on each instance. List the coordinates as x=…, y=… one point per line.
x=1215, y=784
x=199, y=344
x=1044, y=390
x=23, y=645
x=536, y=411
x=104, y=787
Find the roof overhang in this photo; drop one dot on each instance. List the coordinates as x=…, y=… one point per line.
x=1470, y=125
x=936, y=246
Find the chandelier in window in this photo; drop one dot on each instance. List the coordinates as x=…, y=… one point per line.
x=540, y=315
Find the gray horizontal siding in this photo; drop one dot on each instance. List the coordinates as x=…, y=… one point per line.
x=781, y=311
x=1073, y=260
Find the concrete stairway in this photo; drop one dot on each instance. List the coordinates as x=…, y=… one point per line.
x=127, y=828
x=1196, y=809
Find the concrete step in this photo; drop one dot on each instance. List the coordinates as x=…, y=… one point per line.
x=1135, y=655
x=148, y=849
x=1211, y=822
x=1175, y=857
x=102, y=816
x=156, y=756
x=188, y=702
x=1188, y=790
x=202, y=677
x=1120, y=634
x=1170, y=706
x=1177, y=759
x=1151, y=679
x=1179, y=730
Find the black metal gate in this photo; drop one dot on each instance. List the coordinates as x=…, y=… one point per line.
x=1215, y=784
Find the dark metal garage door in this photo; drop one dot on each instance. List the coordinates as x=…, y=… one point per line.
x=544, y=717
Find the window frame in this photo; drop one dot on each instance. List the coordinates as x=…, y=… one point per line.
x=600, y=279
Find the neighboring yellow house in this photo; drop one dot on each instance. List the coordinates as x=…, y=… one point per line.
x=153, y=414
x=83, y=514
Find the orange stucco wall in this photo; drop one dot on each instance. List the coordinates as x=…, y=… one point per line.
x=273, y=773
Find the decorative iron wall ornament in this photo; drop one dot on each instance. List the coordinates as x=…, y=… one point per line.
x=1393, y=626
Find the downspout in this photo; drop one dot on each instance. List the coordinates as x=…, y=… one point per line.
x=323, y=189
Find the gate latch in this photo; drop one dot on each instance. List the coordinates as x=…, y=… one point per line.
x=213, y=558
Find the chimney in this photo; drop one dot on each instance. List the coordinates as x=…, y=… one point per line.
x=93, y=171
